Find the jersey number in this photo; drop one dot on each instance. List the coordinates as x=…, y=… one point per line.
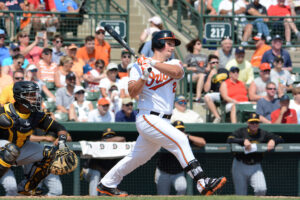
x=174, y=87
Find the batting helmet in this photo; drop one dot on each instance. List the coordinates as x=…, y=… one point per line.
x=159, y=39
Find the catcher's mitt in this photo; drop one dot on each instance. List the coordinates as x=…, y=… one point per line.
x=64, y=162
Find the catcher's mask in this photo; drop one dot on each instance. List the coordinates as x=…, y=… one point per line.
x=27, y=93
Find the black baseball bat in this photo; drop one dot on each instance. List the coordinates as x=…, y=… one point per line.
x=117, y=37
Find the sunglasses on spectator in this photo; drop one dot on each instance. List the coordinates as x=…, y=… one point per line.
x=59, y=41
x=34, y=70
x=182, y=102
x=129, y=104
x=80, y=92
x=20, y=63
x=47, y=53
x=16, y=49
x=266, y=71
x=215, y=62
x=99, y=32
x=106, y=105
x=19, y=78
x=271, y=88
x=126, y=56
x=99, y=66
x=22, y=36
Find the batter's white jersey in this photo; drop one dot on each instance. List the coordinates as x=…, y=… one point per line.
x=159, y=90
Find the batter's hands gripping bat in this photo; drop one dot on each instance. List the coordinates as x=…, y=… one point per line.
x=117, y=37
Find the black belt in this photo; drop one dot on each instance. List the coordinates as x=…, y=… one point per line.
x=164, y=116
x=248, y=162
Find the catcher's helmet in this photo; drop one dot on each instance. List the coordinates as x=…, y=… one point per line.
x=159, y=39
x=27, y=93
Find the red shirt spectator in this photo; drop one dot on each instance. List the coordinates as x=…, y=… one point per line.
x=276, y=10
x=289, y=117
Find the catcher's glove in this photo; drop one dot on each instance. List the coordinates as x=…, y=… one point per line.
x=64, y=162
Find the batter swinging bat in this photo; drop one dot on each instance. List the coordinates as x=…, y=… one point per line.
x=117, y=37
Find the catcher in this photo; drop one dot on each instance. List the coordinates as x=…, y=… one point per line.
x=17, y=122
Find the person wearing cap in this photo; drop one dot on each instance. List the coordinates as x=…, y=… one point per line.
x=196, y=62
x=124, y=83
x=254, y=8
x=282, y=78
x=266, y=105
x=18, y=62
x=127, y=114
x=111, y=79
x=257, y=88
x=155, y=25
x=212, y=85
x=101, y=45
x=246, y=166
x=77, y=62
x=284, y=114
x=93, y=169
x=182, y=113
x=166, y=176
x=46, y=68
x=57, y=52
x=80, y=108
x=4, y=52
x=125, y=61
x=226, y=52
x=233, y=92
x=13, y=50
x=246, y=74
x=282, y=10
x=277, y=51
x=295, y=102
x=102, y=112
x=260, y=48
x=65, y=95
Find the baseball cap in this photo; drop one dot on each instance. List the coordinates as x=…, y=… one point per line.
x=98, y=28
x=31, y=67
x=278, y=59
x=108, y=133
x=72, y=46
x=240, y=49
x=234, y=69
x=112, y=66
x=277, y=37
x=155, y=20
x=179, y=125
x=103, y=101
x=47, y=50
x=256, y=38
x=285, y=97
x=70, y=75
x=226, y=37
x=264, y=66
x=180, y=98
x=126, y=101
x=14, y=46
x=2, y=32
x=78, y=88
x=123, y=52
x=253, y=118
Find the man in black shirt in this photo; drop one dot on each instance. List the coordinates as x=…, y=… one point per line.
x=246, y=166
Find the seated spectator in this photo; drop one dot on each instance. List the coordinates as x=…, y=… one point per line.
x=114, y=98
x=267, y=104
x=93, y=77
x=102, y=113
x=66, y=6
x=226, y=53
x=93, y=169
x=65, y=95
x=31, y=75
x=257, y=89
x=277, y=51
x=57, y=53
x=127, y=114
x=111, y=79
x=102, y=47
x=295, y=103
x=4, y=80
x=284, y=114
x=245, y=69
x=7, y=95
x=282, y=78
x=168, y=171
x=281, y=10
x=78, y=64
x=155, y=26
x=256, y=9
x=65, y=68
x=122, y=67
x=211, y=7
x=4, y=52
x=196, y=63
x=124, y=83
x=18, y=61
x=261, y=48
x=182, y=113
x=233, y=92
x=46, y=68
x=80, y=108
x=31, y=51
x=25, y=23
x=212, y=85
x=13, y=50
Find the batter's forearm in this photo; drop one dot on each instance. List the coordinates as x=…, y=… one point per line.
x=136, y=87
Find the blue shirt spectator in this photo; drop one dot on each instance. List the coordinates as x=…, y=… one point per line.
x=269, y=57
x=62, y=6
x=127, y=114
x=13, y=4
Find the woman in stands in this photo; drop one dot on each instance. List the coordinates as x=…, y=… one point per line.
x=18, y=61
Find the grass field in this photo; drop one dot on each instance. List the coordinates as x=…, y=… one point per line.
x=217, y=197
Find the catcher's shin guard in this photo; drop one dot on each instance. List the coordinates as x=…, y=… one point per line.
x=38, y=172
x=8, y=155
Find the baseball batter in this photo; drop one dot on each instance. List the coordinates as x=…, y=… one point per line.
x=156, y=90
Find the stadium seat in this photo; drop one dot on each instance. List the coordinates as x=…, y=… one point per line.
x=50, y=85
x=61, y=117
x=243, y=110
x=50, y=106
x=92, y=96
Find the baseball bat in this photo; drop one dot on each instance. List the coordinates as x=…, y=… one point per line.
x=120, y=40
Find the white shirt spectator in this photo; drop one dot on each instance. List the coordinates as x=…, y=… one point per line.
x=295, y=106
x=227, y=5
x=284, y=77
x=94, y=116
x=188, y=116
x=106, y=83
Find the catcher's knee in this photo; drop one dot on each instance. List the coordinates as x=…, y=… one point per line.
x=8, y=155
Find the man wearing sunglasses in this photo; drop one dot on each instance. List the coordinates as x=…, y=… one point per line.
x=101, y=45
x=102, y=112
x=127, y=114
x=182, y=113
x=57, y=53
x=246, y=165
x=125, y=61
